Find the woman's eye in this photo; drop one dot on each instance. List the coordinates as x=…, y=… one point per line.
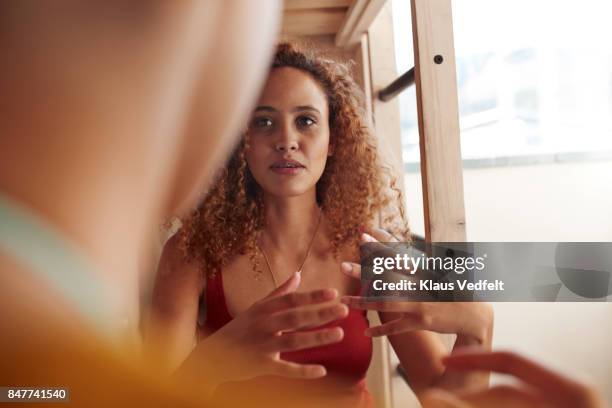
x=262, y=123
x=305, y=121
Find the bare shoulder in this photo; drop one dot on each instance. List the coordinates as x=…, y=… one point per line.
x=178, y=280
x=174, y=261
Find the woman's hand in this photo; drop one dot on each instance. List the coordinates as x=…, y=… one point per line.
x=471, y=321
x=541, y=387
x=250, y=345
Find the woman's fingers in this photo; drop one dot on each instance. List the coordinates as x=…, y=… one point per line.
x=294, y=341
x=558, y=389
x=508, y=363
x=542, y=387
x=295, y=299
x=381, y=235
x=290, y=285
x=298, y=371
x=404, y=324
x=499, y=396
x=373, y=247
x=358, y=302
x=504, y=396
x=470, y=319
x=305, y=317
x=351, y=269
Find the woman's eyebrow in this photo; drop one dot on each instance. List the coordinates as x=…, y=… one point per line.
x=306, y=108
x=265, y=109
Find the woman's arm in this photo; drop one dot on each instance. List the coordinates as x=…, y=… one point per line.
x=412, y=329
x=170, y=331
x=421, y=352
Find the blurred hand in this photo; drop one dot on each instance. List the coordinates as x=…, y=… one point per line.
x=471, y=321
x=541, y=387
x=250, y=345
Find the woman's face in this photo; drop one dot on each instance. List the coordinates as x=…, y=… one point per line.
x=289, y=134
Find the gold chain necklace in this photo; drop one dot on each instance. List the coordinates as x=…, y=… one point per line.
x=305, y=257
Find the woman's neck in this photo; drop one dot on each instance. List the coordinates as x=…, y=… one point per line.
x=291, y=223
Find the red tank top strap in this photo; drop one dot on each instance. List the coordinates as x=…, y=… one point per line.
x=217, y=314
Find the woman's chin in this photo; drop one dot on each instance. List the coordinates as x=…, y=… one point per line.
x=287, y=191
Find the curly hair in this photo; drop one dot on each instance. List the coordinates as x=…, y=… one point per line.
x=356, y=191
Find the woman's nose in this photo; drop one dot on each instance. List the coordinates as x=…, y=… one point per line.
x=287, y=145
x=287, y=141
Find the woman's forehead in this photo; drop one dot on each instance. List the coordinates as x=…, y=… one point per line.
x=287, y=88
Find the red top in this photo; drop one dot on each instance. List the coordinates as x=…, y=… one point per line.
x=346, y=362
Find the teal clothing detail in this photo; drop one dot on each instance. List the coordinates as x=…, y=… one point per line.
x=43, y=250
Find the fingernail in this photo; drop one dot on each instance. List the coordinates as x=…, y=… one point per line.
x=327, y=294
x=321, y=372
x=345, y=300
x=346, y=266
x=367, y=237
x=340, y=333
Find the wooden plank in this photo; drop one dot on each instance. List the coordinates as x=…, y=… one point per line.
x=315, y=4
x=438, y=115
x=350, y=19
x=312, y=22
x=363, y=76
x=365, y=21
x=379, y=49
x=383, y=71
x=358, y=20
x=378, y=378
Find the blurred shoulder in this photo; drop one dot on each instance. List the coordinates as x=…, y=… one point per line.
x=175, y=264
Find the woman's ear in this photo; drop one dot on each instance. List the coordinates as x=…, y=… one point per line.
x=330, y=150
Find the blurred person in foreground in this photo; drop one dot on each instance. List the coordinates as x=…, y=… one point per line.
x=97, y=144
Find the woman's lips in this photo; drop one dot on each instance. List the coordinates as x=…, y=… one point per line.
x=286, y=170
x=287, y=167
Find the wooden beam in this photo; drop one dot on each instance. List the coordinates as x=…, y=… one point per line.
x=312, y=21
x=315, y=4
x=363, y=77
x=438, y=116
x=357, y=21
x=378, y=47
x=383, y=70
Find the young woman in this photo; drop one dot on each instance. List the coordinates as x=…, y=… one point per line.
x=296, y=195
